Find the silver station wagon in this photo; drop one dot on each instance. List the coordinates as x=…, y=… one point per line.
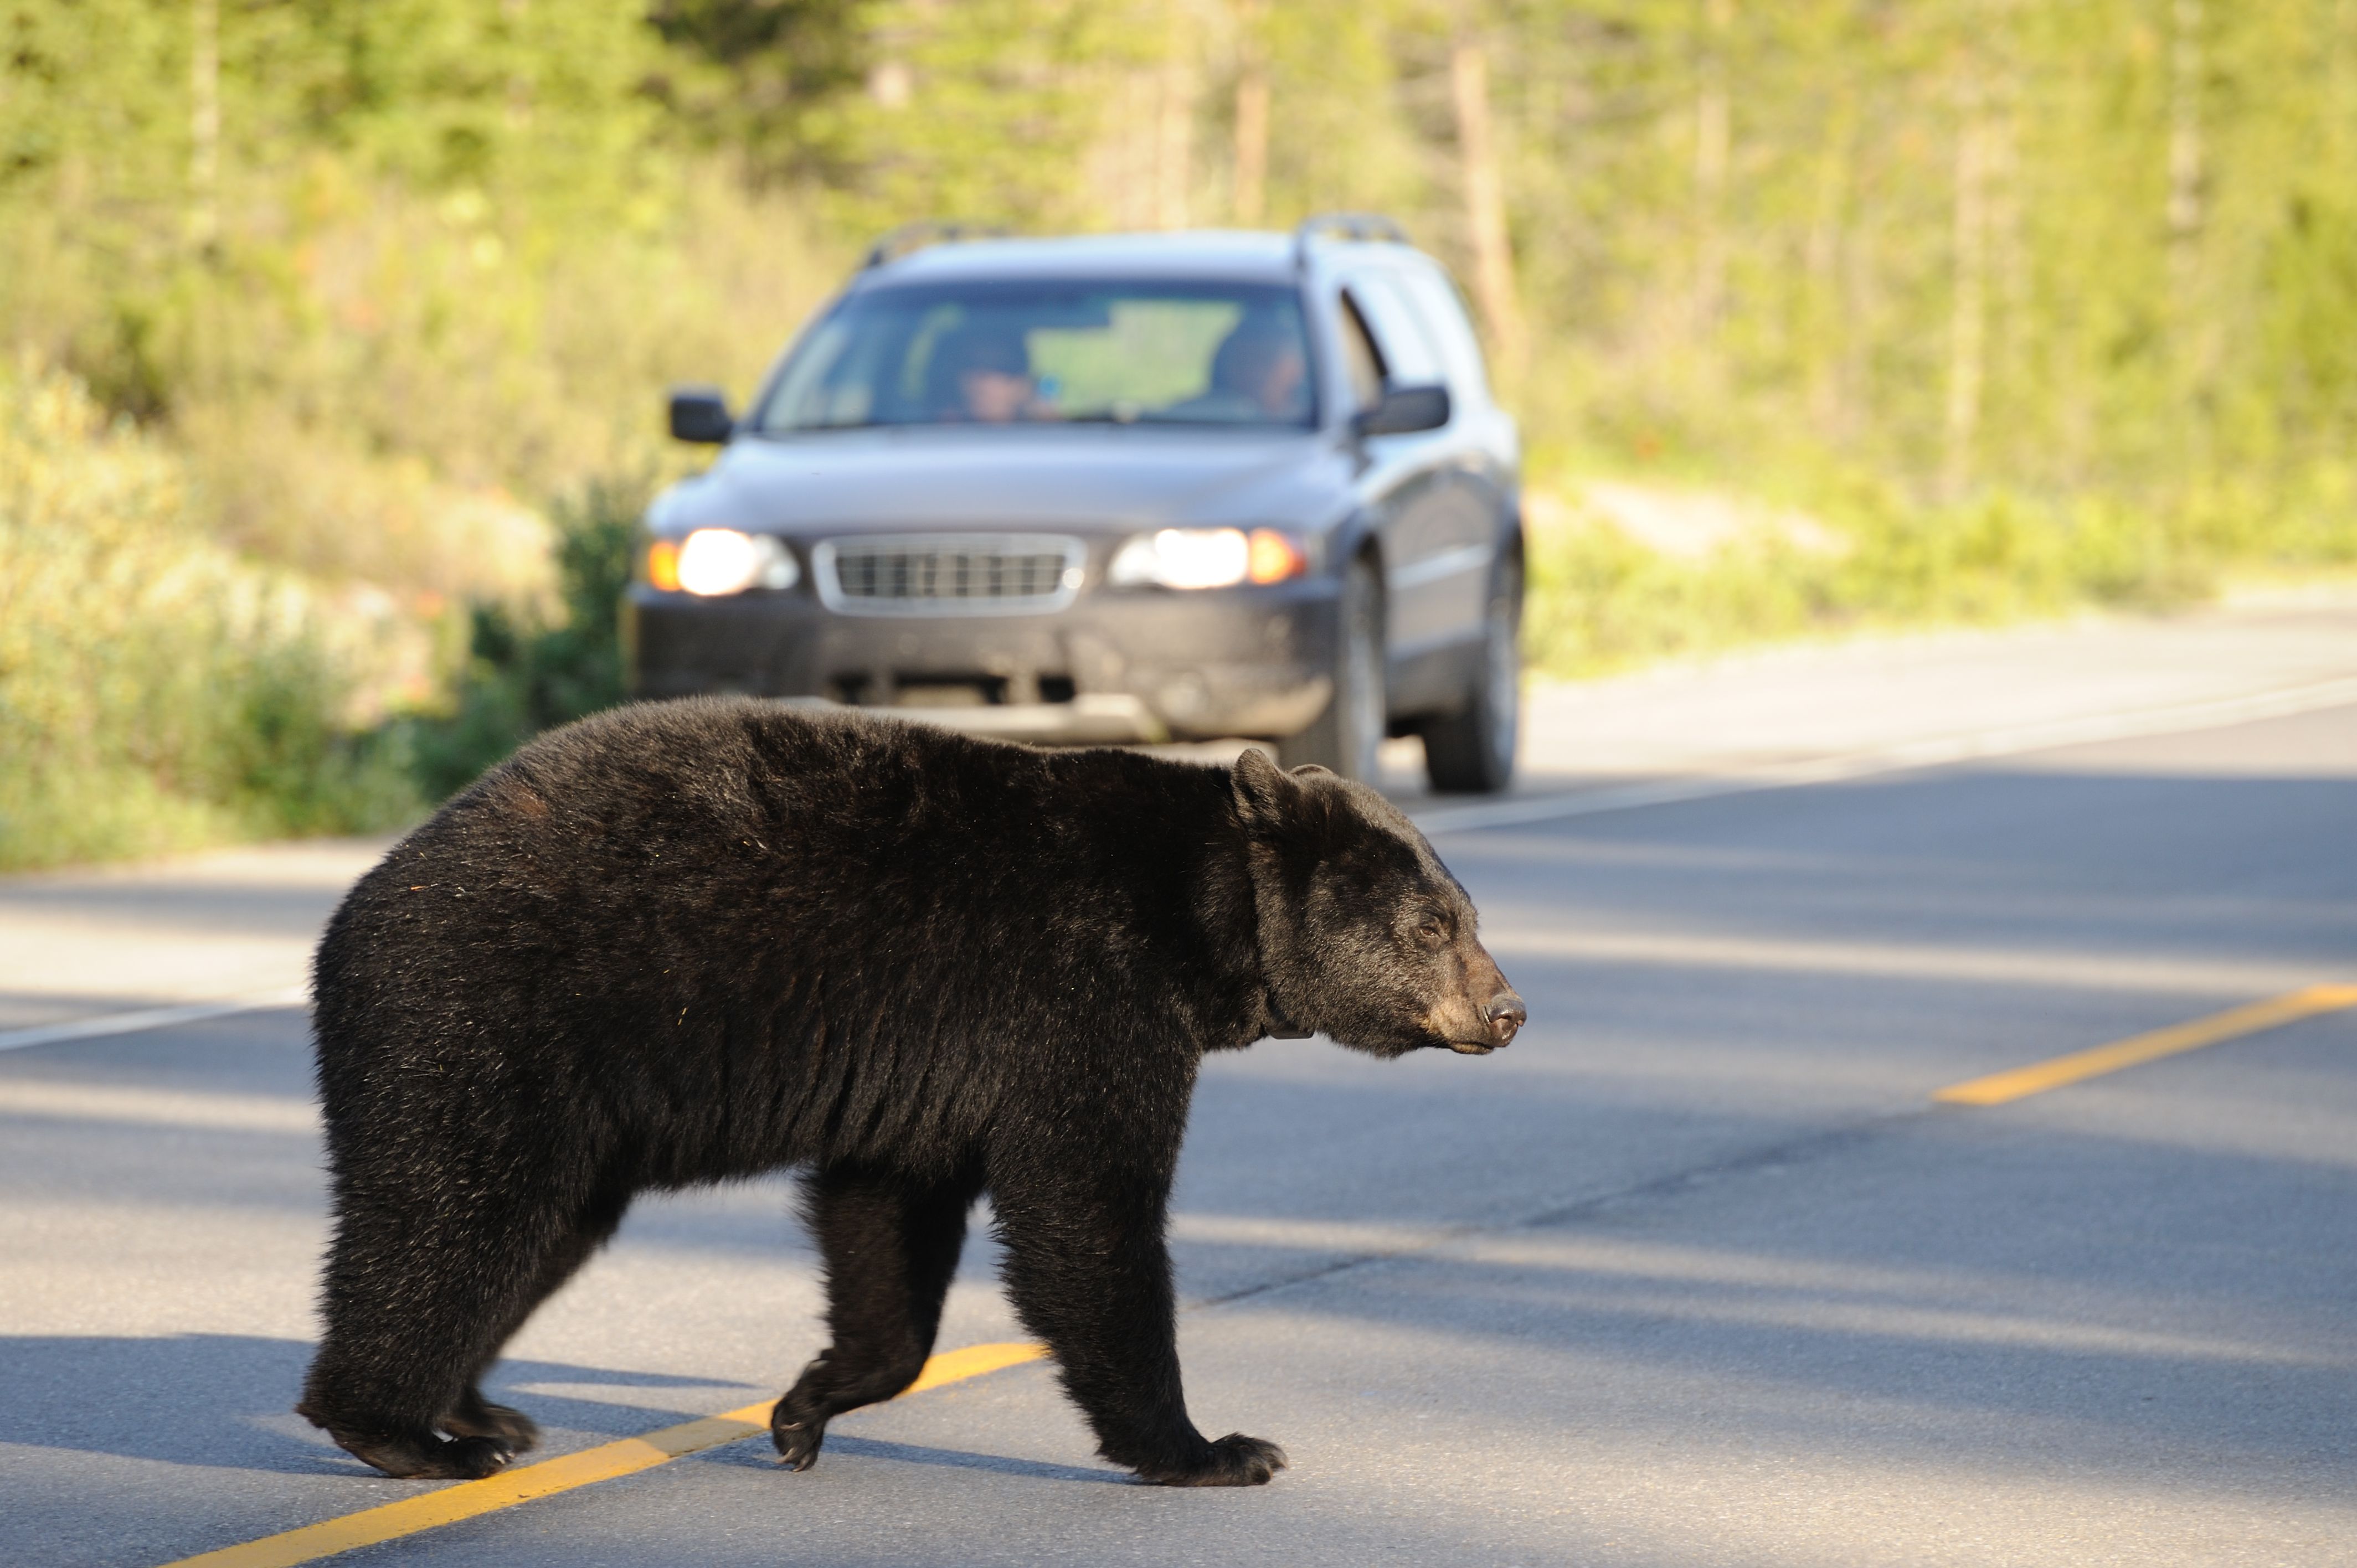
x=1115, y=489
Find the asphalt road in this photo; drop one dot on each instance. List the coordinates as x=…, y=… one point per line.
x=1695, y=1272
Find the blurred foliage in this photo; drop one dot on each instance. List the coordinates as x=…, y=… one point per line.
x=2030, y=305
x=1602, y=601
x=155, y=691
x=526, y=669
x=777, y=76
x=446, y=260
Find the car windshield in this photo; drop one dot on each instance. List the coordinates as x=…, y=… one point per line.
x=1049, y=352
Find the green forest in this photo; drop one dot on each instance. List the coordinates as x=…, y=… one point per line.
x=336, y=333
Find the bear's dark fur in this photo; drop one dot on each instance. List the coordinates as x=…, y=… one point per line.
x=682, y=942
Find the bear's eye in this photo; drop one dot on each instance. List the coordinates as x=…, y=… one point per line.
x=1432, y=928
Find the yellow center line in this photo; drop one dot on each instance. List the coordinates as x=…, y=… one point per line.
x=562, y=1474
x=2039, y=1077
x=630, y=1455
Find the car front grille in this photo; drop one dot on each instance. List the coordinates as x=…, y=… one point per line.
x=958, y=574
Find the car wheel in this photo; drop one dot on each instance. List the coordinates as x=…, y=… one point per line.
x=1346, y=735
x=1472, y=750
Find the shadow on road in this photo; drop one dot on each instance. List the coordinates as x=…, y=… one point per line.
x=839, y=1444
x=223, y=1401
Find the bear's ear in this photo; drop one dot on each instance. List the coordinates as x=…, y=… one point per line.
x=1313, y=771
x=1262, y=790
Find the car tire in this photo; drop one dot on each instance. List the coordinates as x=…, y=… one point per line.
x=1472, y=750
x=1345, y=737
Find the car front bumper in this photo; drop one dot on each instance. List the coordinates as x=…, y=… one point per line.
x=1114, y=666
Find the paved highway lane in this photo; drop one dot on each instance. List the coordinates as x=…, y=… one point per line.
x=1695, y=1272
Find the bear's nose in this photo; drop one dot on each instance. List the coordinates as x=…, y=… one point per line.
x=1505, y=1015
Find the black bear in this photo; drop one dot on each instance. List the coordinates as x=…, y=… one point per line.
x=688, y=942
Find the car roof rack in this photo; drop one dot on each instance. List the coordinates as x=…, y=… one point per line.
x=910, y=238
x=1365, y=228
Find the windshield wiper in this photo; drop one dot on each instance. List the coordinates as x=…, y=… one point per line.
x=1101, y=417
x=1151, y=417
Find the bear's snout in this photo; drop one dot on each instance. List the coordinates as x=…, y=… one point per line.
x=1502, y=1017
x=1486, y=1012
x=1505, y=1015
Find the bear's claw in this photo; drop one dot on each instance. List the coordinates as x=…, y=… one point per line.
x=505, y=1423
x=472, y=1458
x=797, y=1441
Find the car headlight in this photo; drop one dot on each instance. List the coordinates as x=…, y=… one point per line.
x=1207, y=558
x=714, y=561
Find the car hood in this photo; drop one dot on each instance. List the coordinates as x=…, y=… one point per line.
x=1092, y=477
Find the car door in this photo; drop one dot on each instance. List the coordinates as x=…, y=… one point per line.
x=1488, y=455
x=1440, y=527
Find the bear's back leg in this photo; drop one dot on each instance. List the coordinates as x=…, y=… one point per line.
x=890, y=1245
x=475, y=1416
x=434, y=1266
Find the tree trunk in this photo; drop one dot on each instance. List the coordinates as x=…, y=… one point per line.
x=1969, y=300
x=1712, y=136
x=204, y=125
x=1250, y=199
x=2184, y=212
x=2007, y=239
x=2340, y=76
x=2186, y=167
x=1173, y=140
x=1485, y=206
x=1827, y=323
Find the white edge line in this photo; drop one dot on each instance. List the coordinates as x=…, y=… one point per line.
x=150, y=1018
x=1928, y=752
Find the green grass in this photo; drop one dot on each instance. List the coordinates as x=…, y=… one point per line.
x=1600, y=601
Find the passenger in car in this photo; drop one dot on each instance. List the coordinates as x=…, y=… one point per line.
x=1257, y=372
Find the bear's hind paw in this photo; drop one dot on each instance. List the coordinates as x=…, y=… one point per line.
x=433, y=1459
x=482, y=1418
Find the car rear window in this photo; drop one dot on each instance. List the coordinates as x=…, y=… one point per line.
x=1047, y=352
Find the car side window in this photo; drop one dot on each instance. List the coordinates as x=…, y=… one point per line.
x=1361, y=358
x=1443, y=310
x=1408, y=351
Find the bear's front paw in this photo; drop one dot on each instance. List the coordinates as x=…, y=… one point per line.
x=1234, y=1460
x=797, y=1438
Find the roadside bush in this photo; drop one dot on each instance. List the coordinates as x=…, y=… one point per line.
x=155, y=691
x=525, y=669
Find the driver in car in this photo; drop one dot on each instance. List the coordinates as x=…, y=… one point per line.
x=982, y=374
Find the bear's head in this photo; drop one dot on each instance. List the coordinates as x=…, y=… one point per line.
x=1365, y=936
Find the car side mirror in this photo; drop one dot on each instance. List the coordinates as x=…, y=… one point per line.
x=1403, y=411
x=701, y=414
